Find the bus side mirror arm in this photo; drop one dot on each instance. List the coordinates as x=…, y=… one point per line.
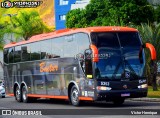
x=95, y=54
x=151, y=49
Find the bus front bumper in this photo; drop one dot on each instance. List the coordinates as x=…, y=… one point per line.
x=115, y=94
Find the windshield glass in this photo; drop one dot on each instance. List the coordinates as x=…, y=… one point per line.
x=118, y=54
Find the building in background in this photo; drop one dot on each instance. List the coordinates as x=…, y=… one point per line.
x=62, y=7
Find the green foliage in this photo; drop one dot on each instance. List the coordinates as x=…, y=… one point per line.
x=3, y=30
x=157, y=14
x=76, y=18
x=27, y=24
x=151, y=34
x=111, y=12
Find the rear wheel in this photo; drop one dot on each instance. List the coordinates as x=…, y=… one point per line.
x=74, y=96
x=18, y=94
x=25, y=98
x=119, y=101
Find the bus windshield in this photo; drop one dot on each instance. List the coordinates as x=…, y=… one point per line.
x=118, y=55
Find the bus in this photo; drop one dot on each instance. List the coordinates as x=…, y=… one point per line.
x=82, y=64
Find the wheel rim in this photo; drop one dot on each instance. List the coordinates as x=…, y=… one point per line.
x=75, y=95
x=24, y=94
x=18, y=94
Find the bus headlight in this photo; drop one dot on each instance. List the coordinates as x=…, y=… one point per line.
x=103, y=88
x=143, y=86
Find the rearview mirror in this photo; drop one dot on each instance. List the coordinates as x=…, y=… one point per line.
x=88, y=53
x=152, y=50
x=80, y=57
x=94, y=49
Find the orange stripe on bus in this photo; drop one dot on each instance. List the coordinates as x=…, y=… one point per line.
x=47, y=96
x=58, y=97
x=10, y=94
x=86, y=98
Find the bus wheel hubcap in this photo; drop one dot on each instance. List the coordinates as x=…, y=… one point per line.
x=24, y=94
x=18, y=94
x=75, y=95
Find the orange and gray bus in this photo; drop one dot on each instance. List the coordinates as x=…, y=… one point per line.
x=83, y=64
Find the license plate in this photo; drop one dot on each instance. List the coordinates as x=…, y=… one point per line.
x=125, y=94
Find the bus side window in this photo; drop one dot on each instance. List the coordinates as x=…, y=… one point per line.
x=5, y=52
x=17, y=54
x=35, y=51
x=82, y=41
x=25, y=52
x=11, y=55
x=70, y=46
x=46, y=49
x=57, y=47
x=83, y=44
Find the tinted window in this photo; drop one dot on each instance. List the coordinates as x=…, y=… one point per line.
x=5, y=52
x=129, y=39
x=10, y=55
x=70, y=46
x=105, y=39
x=17, y=54
x=46, y=49
x=57, y=47
x=35, y=50
x=83, y=42
x=25, y=52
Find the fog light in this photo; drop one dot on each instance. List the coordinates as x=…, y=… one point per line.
x=143, y=86
x=103, y=88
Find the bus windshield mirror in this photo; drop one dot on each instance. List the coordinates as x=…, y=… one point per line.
x=80, y=56
x=88, y=53
x=152, y=50
x=95, y=54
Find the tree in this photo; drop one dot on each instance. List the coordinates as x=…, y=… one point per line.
x=76, y=18
x=2, y=33
x=157, y=14
x=26, y=24
x=111, y=12
x=151, y=34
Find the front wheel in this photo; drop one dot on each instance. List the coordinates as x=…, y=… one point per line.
x=118, y=101
x=74, y=96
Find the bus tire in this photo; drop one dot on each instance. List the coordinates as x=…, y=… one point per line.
x=25, y=98
x=18, y=94
x=119, y=101
x=74, y=96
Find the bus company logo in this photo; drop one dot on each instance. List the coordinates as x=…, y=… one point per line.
x=127, y=74
x=47, y=68
x=20, y=4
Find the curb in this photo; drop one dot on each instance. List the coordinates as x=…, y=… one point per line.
x=146, y=99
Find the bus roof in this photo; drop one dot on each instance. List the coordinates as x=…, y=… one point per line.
x=70, y=31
